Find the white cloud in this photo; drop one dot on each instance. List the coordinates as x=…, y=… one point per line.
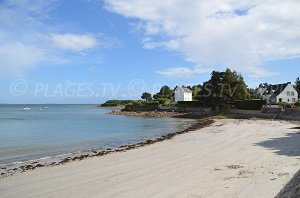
x=238, y=34
x=28, y=38
x=20, y=46
x=15, y=57
x=181, y=72
x=74, y=42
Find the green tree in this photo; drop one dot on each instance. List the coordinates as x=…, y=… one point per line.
x=196, y=89
x=164, y=92
x=298, y=85
x=223, y=88
x=164, y=101
x=146, y=96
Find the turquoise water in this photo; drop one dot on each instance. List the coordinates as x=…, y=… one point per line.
x=41, y=132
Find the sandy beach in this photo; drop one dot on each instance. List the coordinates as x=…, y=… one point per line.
x=230, y=158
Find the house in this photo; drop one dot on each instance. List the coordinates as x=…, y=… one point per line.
x=183, y=94
x=279, y=93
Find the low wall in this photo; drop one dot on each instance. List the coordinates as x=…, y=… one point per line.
x=194, y=109
x=245, y=114
x=166, y=108
x=291, y=112
x=266, y=113
x=271, y=110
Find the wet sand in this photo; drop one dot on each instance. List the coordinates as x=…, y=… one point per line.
x=230, y=158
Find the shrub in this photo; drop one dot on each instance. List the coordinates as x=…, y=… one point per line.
x=297, y=104
x=249, y=104
x=149, y=102
x=164, y=101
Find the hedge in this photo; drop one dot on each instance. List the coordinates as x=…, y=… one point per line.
x=151, y=102
x=297, y=104
x=190, y=104
x=249, y=104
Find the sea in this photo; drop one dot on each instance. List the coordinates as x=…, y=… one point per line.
x=56, y=129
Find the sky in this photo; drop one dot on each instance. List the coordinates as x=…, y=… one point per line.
x=88, y=51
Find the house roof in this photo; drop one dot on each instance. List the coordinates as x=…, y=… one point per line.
x=275, y=90
x=261, y=90
x=187, y=90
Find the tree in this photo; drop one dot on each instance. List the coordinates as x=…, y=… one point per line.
x=252, y=94
x=164, y=92
x=298, y=85
x=223, y=88
x=196, y=89
x=263, y=85
x=146, y=96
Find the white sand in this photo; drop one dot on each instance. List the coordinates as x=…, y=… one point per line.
x=223, y=160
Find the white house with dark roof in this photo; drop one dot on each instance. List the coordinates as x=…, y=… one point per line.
x=183, y=94
x=279, y=93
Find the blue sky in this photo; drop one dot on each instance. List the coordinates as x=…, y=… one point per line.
x=87, y=51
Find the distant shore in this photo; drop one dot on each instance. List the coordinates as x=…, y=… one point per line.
x=227, y=158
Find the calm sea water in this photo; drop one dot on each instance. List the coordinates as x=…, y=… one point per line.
x=41, y=132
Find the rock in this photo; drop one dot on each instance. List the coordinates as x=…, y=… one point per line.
x=39, y=165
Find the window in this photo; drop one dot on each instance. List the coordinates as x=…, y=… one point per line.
x=280, y=99
x=288, y=93
x=294, y=99
x=292, y=94
x=288, y=100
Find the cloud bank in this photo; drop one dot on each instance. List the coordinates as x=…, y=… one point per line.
x=241, y=35
x=28, y=39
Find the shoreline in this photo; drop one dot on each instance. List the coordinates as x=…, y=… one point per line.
x=230, y=158
x=156, y=114
x=10, y=169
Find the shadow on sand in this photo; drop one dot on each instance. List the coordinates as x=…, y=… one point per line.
x=288, y=145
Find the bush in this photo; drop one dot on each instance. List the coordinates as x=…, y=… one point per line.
x=249, y=104
x=190, y=104
x=297, y=104
x=164, y=101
